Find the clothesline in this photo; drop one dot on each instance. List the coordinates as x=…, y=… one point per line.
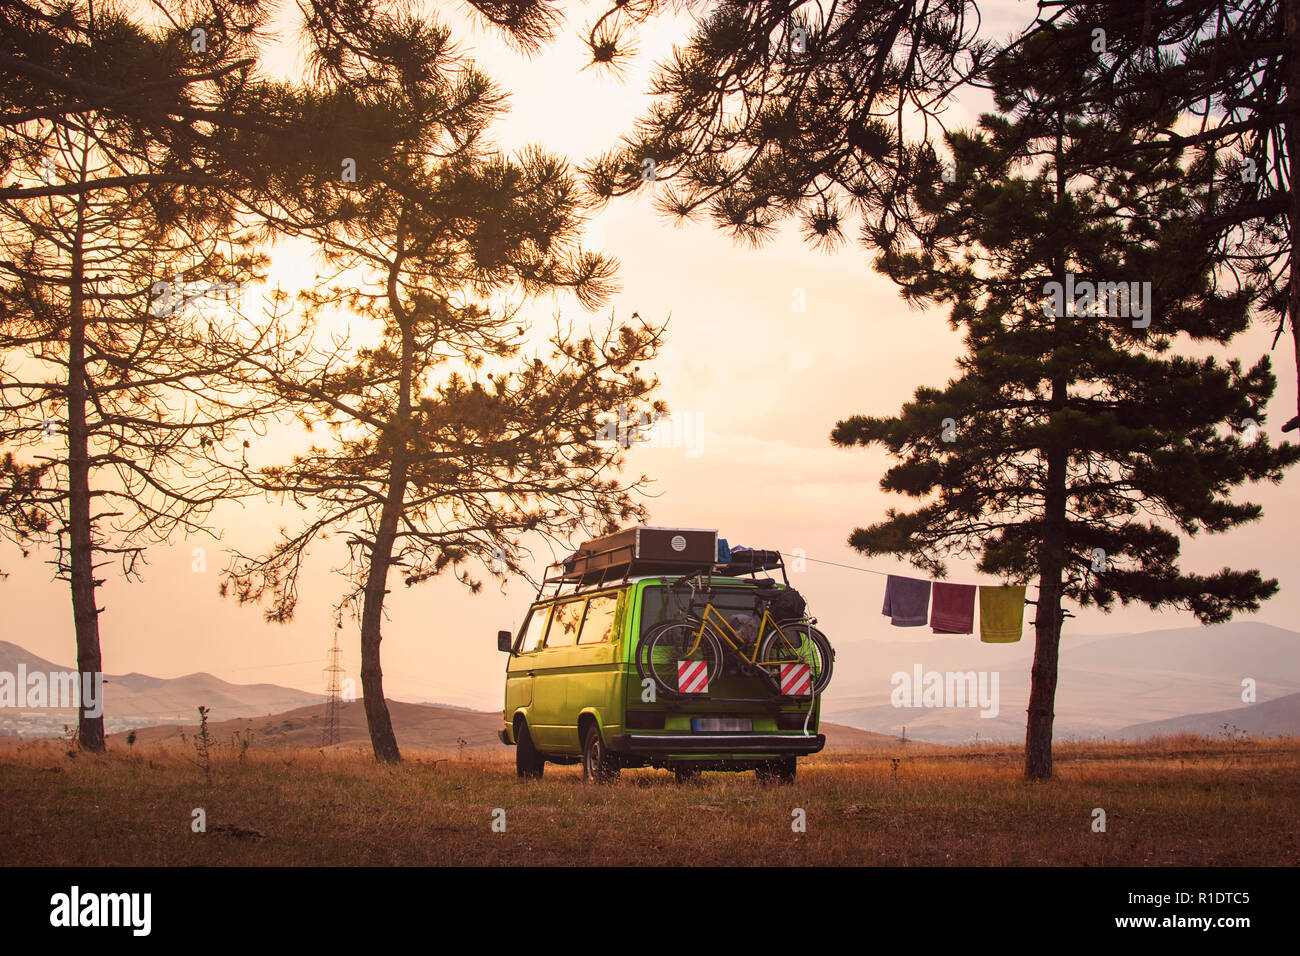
x=851, y=567
x=908, y=604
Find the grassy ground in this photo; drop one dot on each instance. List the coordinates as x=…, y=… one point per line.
x=1181, y=801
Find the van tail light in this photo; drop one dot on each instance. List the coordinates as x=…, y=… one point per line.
x=790, y=721
x=645, y=720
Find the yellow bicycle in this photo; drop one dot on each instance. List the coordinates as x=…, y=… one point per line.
x=697, y=647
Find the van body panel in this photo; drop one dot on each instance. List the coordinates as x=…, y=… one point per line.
x=519, y=677
x=519, y=692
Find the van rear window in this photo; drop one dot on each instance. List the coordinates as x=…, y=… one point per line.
x=659, y=604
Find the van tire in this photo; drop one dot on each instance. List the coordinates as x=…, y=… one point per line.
x=598, y=764
x=782, y=771
x=529, y=763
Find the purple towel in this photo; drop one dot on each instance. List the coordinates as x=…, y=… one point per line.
x=906, y=601
x=953, y=609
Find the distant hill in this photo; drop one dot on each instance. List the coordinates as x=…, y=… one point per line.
x=1248, y=648
x=852, y=740
x=1270, y=718
x=438, y=703
x=11, y=655
x=1107, y=684
x=135, y=699
x=418, y=726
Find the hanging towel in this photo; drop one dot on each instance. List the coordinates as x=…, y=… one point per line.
x=906, y=601
x=1002, y=613
x=952, y=608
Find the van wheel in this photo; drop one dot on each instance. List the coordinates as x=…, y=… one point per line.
x=781, y=770
x=687, y=774
x=598, y=765
x=529, y=763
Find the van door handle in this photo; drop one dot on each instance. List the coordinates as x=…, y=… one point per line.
x=531, y=674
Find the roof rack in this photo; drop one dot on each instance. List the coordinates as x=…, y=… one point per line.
x=587, y=571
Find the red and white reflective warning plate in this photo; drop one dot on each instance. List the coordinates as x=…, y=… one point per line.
x=693, y=677
x=796, y=679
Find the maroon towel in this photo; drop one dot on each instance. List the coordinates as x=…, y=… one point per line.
x=952, y=608
x=906, y=601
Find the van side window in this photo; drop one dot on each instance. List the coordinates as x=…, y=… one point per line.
x=564, y=624
x=598, y=625
x=534, y=630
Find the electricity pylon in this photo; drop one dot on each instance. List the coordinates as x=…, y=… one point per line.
x=332, y=692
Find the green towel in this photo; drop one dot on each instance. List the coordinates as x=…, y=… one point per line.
x=1002, y=613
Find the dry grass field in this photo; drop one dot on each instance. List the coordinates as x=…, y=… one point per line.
x=419, y=727
x=1178, y=801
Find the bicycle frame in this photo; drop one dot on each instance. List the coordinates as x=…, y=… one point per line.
x=723, y=629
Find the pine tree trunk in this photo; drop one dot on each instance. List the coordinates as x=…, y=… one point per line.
x=1042, y=692
x=81, y=554
x=1292, y=26
x=1047, y=629
x=380, y=724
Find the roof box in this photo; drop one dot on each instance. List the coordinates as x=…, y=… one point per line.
x=642, y=550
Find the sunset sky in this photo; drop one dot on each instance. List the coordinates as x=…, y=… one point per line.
x=765, y=382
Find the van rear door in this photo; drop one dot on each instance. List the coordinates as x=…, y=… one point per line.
x=659, y=604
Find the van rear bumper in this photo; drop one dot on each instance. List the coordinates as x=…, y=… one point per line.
x=796, y=744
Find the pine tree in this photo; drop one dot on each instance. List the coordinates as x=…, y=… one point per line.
x=1082, y=445
x=446, y=446
x=121, y=270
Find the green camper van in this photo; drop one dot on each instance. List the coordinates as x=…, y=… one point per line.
x=615, y=666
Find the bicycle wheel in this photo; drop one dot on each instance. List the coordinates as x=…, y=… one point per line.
x=796, y=642
x=639, y=657
x=673, y=644
x=643, y=646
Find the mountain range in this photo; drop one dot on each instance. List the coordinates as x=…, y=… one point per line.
x=1271, y=718
x=138, y=700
